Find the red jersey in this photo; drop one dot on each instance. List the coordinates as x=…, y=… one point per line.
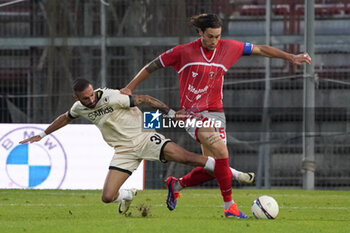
x=201, y=72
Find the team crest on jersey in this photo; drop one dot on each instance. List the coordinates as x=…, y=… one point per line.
x=211, y=74
x=106, y=99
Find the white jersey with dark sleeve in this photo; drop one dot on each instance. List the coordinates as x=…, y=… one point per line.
x=116, y=117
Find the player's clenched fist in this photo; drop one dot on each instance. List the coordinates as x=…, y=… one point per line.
x=301, y=58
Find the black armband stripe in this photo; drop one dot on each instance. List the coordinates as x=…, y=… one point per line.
x=132, y=104
x=70, y=116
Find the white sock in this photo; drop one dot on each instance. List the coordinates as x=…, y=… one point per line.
x=235, y=173
x=210, y=164
x=124, y=194
x=228, y=204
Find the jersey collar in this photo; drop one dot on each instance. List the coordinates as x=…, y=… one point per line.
x=205, y=57
x=204, y=50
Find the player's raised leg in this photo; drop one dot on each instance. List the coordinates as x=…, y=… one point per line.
x=111, y=190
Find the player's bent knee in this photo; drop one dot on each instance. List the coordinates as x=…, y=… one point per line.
x=107, y=198
x=222, y=154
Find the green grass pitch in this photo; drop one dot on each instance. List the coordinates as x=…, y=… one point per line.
x=198, y=210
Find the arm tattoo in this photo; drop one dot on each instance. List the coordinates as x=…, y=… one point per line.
x=150, y=101
x=153, y=65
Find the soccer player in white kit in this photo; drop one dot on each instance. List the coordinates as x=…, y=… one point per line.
x=201, y=65
x=120, y=123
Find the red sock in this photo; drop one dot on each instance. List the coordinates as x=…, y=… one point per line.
x=197, y=176
x=223, y=176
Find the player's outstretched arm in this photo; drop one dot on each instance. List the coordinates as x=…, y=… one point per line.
x=58, y=123
x=155, y=103
x=151, y=101
x=268, y=51
x=141, y=75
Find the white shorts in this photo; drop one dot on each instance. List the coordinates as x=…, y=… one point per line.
x=216, y=120
x=151, y=148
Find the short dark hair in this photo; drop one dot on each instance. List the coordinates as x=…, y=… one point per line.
x=80, y=84
x=204, y=21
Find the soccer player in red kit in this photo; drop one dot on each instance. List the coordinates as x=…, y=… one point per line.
x=201, y=66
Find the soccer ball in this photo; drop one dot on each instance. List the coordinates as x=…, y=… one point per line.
x=265, y=207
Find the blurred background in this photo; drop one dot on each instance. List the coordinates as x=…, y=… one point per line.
x=46, y=44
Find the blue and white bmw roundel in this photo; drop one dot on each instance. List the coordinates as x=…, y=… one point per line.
x=28, y=165
x=39, y=165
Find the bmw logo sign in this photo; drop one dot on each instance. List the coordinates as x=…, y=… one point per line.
x=39, y=165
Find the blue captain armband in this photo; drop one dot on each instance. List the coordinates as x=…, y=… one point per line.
x=247, y=48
